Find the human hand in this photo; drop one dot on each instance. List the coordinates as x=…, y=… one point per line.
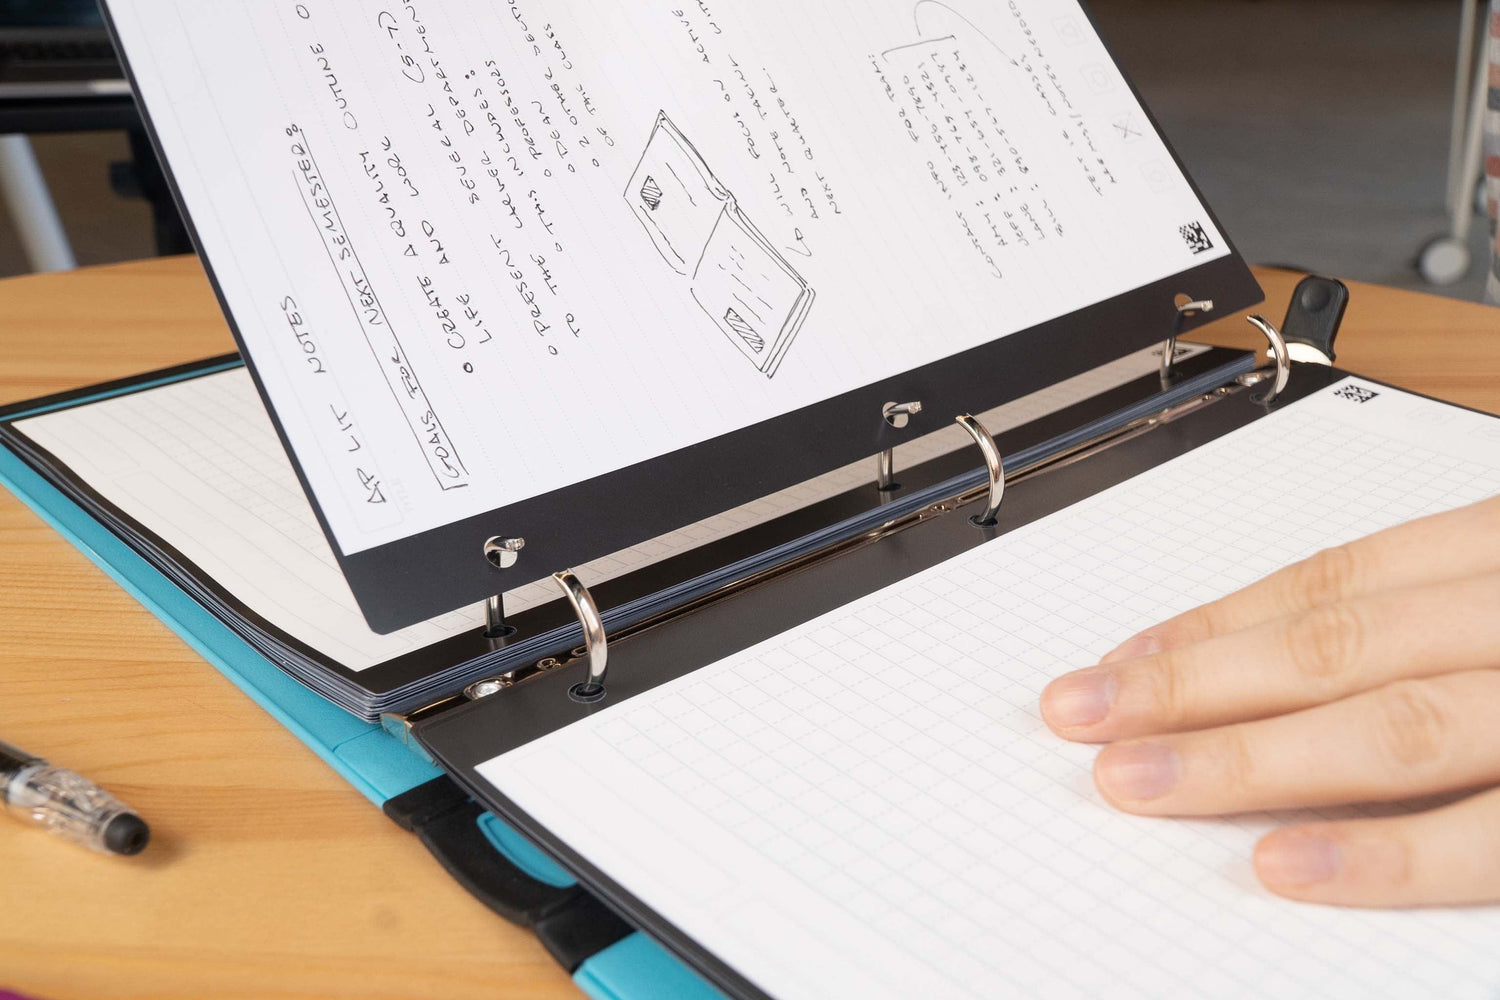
x=1370, y=672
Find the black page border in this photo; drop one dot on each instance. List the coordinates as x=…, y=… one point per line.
x=430, y=573
x=466, y=737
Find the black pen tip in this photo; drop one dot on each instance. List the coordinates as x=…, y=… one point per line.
x=127, y=833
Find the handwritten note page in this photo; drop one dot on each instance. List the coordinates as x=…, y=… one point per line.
x=481, y=250
x=870, y=805
x=197, y=463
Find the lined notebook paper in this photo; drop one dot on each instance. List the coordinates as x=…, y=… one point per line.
x=921, y=833
x=198, y=464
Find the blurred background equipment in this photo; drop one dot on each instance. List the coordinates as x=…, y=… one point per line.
x=55, y=49
x=59, y=77
x=1319, y=132
x=1332, y=137
x=1446, y=258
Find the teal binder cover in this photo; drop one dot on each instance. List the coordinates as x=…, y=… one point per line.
x=365, y=755
x=639, y=967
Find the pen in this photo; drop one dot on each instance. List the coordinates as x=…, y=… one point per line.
x=68, y=804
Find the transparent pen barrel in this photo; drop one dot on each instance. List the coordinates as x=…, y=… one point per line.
x=63, y=803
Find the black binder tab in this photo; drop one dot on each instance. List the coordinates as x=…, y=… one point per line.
x=1313, y=318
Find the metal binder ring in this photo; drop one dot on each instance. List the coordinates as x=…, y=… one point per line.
x=1169, y=348
x=594, y=640
x=898, y=415
x=1279, y=352
x=993, y=462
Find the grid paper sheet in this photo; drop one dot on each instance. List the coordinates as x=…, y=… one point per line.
x=919, y=832
x=198, y=464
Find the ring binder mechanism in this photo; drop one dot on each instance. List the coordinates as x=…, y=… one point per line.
x=1169, y=346
x=898, y=415
x=994, y=463
x=1279, y=353
x=502, y=553
x=993, y=485
x=494, y=685
x=594, y=640
x=487, y=687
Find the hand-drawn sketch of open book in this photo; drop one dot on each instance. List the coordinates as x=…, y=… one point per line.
x=744, y=285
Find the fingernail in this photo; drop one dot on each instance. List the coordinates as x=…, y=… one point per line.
x=1293, y=858
x=1144, y=644
x=1079, y=699
x=1138, y=771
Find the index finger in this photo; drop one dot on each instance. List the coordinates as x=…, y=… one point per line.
x=1449, y=546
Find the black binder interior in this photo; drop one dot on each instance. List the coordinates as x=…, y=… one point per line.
x=467, y=736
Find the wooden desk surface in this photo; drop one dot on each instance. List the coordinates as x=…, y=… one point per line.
x=269, y=876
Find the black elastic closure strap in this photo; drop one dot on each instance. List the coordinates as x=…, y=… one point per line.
x=571, y=923
x=447, y=821
x=580, y=930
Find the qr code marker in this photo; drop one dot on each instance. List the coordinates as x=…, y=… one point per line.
x=1357, y=393
x=1196, y=237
